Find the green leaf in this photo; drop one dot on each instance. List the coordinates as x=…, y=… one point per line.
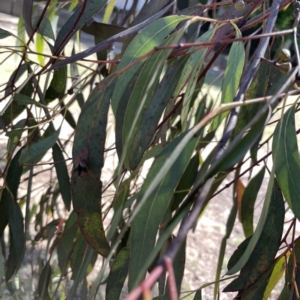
x=9, y=196
x=192, y=71
x=141, y=95
x=266, y=247
x=151, y=115
x=83, y=256
x=76, y=21
x=248, y=201
x=25, y=100
x=257, y=89
x=146, y=223
x=288, y=291
x=178, y=266
x=62, y=175
x=276, y=275
x=57, y=85
x=185, y=182
x=117, y=275
x=39, y=43
x=229, y=227
x=26, y=12
x=232, y=75
x=39, y=148
x=102, y=30
x=121, y=110
x=4, y=34
x=286, y=160
x=256, y=291
x=44, y=282
x=45, y=28
x=150, y=37
x=108, y=42
x=88, y=157
x=198, y=295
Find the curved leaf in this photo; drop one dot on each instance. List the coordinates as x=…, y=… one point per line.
x=141, y=95
x=117, y=275
x=248, y=201
x=266, y=247
x=150, y=37
x=62, y=175
x=39, y=148
x=110, y=41
x=76, y=21
x=192, y=71
x=232, y=75
x=146, y=223
x=88, y=151
x=14, y=217
x=286, y=160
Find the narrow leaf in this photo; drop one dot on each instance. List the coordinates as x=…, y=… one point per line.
x=142, y=238
x=117, y=275
x=4, y=33
x=39, y=148
x=232, y=75
x=150, y=37
x=57, y=85
x=88, y=157
x=248, y=201
x=110, y=41
x=192, y=71
x=81, y=15
x=276, y=275
x=266, y=247
x=62, y=175
x=286, y=160
x=27, y=11
x=44, y=281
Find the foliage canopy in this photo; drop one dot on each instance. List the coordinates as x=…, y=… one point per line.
x=139, y=138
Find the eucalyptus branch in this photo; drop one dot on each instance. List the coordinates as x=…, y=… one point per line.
x=189, y=221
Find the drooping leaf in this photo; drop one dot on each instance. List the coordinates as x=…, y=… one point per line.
x=141, y=95
x=192, y=71
x=39, y=44
x=57, y=85
x=26, y=12
x=229, y=227
x=25, y=100
x=142, y=238
x=248, y=201
x=232, y=75
x=45, y=28
x=276, y=275
x=102, y=30
x=110, y=41
x=81, y=15
x=12, y=180
x=39, y=148
x=4, y=33
x=153, y=111
x=291, y=281
x=88, y=158
x=44, y=282
x=185, y=182
x=117, y=275
x=266, y=247
x=145, y=41
x=83, y=256
x=178, y=266
x=286, y=160
x=62, y=175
